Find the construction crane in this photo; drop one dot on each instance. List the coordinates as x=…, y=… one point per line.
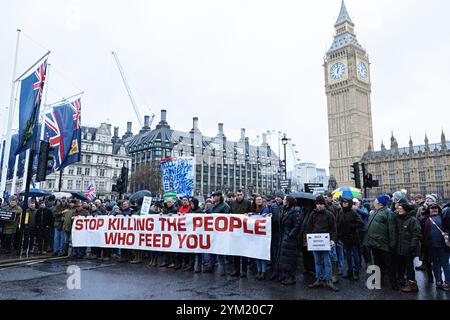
x=125, y=82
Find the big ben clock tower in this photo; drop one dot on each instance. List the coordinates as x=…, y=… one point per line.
x=348, y=88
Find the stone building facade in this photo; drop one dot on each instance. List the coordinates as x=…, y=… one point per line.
x=420, y=169
x=102, y=157
x=221, y=164
x=348, y=89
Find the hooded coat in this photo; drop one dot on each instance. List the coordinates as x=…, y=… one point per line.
x=379, y=230
x=406, y=234
x=349, y=223
x=290, y=226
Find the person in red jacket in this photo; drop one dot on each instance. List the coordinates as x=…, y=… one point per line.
x=185, y=206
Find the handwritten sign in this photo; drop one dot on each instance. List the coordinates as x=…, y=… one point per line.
x=178, y=175
x=318, y=242
x=146, y=204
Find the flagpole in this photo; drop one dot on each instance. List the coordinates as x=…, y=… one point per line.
x=32, y=67
x=60, y=179
x=14, y=179
x=25, y=174
x=9, y=121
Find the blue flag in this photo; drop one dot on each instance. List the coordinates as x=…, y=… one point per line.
x=62, y=130
x=29, y=106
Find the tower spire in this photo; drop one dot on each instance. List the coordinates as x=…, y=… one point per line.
x=343, y=16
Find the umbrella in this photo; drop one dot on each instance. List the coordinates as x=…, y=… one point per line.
x=347, y=192
x=305, y=200
x=79, y=195
x=59, y=195
x=36, y=193
x=138, y=196
x=303, y=195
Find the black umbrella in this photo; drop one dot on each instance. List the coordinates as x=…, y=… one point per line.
x=305, y=200
x=303, y=195
x=81, y=196
x=138, y=196
x=36, y=193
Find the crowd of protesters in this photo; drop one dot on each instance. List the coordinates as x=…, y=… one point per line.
x=389, y=233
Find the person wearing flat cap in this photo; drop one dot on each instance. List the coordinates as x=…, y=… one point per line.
x=378, y=238
x=219, y=206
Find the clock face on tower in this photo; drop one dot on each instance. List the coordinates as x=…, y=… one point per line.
x=362, y=70
x=337, y=71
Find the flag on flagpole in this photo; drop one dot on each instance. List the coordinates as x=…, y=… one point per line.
x=63, y=131
x=90, y=192
x=29, y=105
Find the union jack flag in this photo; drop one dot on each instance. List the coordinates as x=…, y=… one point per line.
x=90, y=192
x=53, y=135
x=76, y=107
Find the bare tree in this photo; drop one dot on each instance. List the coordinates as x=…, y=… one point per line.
x=147, y=176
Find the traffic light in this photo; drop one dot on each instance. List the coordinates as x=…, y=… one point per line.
x=356, y=175
x=369, y=180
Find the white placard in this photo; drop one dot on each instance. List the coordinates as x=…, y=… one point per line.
x=146, y=204
x=318, y=242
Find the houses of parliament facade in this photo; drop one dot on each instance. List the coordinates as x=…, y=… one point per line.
x=420, y=168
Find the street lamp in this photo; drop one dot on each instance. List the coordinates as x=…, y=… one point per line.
x=284, y=141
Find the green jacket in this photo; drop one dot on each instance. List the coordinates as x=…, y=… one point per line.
x=379, y=230
x=219, y=208
x=68, y=221
x=10, y=227
x=407, y=234
x=58, y=216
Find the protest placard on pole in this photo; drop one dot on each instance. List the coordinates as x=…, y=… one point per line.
x=146, y=204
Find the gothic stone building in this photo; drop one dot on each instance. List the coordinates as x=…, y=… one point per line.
x=348, y=88
x=420, y=169
x=221, y=164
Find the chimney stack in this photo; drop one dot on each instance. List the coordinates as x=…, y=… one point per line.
x=221, y=128
x=264, y=138
x=129, y=126
x=163, y=115
x=243, y=133
x=146, y=121
x=195, y=123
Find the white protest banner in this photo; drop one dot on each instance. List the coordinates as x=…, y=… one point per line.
x=224, y=234
x=318, y=242
x=146, y=204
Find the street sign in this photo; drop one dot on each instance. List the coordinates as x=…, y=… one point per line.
x=7, y=215
x=309, y=187
x=285, y=183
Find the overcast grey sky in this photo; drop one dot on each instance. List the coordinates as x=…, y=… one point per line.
x=253, y=64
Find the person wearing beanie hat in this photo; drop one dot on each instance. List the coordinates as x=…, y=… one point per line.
x=406, y=235
x=322, y=221
x=10, y=227
x=320, y=200
x=383, y=200
x=378, y=238
x=430, y=199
